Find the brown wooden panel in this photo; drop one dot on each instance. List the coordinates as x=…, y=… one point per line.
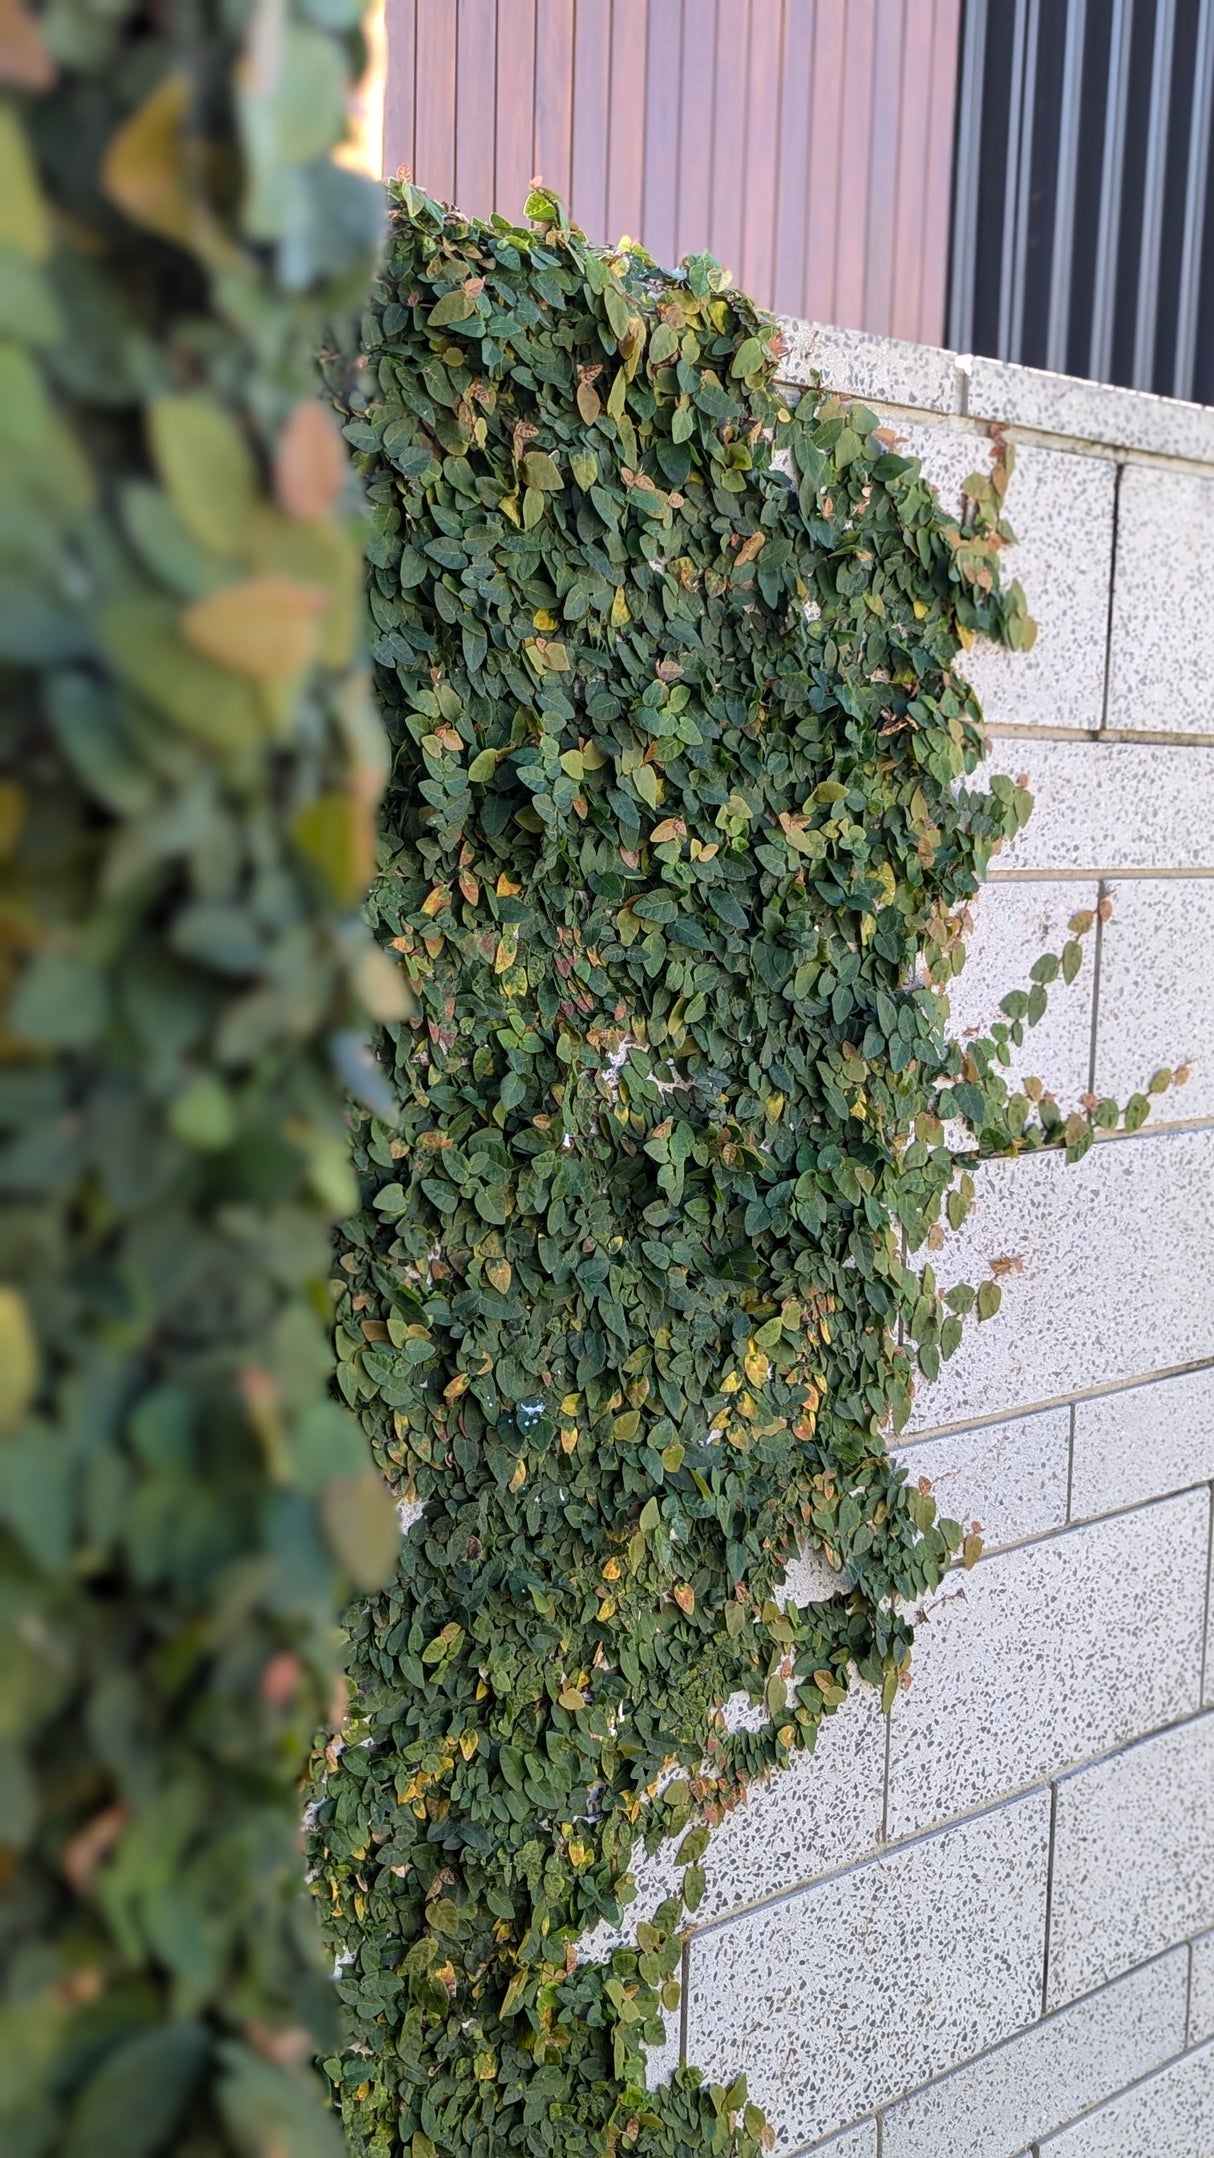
x=401, y=17
x=946, y=44
x=859, y=55
x=696, y=146
x=554, y=93
x=826, y=137
x=729, y=133
x=515, y=147
x=911, y=188
x=591, y=115
x=807, y=143
x=663, y=82
x=476, y=107
x=626, y=164
x=792, y=184
x=887, y=118
x=762, y=160
x=434, y=99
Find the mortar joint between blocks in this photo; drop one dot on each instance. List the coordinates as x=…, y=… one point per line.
x=1108, y=633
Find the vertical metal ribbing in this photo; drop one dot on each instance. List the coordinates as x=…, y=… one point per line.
x=1152, y=195
x=1063, y=250
x=1011, y=186
x=1105, y=294
x=965, y=181
x=1024, y=180
x=1195, y=204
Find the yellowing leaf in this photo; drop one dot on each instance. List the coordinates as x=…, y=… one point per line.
x=363, y=1528
x=263, y=627
x=310, y=462
x=453, y=307
x=670, y=828
x=207, y=466
x=500, y=1273
x=519, y=1476
x=338, y=834
x=540, y=470
x=24, y=220
x=382, y=986
x=18, y=1357
x=147, y=173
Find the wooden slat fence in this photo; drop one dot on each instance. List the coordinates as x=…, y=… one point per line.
x=808, y=143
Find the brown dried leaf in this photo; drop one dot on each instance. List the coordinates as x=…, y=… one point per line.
x=309, y=463
x=90, y=1845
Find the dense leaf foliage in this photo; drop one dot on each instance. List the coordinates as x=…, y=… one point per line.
x=189, y=767
x=679, y=838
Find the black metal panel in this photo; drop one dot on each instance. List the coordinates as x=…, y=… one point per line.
x=1083, y=205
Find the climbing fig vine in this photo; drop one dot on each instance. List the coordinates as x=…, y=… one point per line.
x=189, y=763
x=682, y=824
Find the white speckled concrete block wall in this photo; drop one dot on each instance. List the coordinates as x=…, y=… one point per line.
x=987, y=1929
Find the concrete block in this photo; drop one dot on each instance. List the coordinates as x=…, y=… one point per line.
x=1116, y=1254
x=1155, y=1007
x=822, y=1811
x=1060, y=683
x=1093, y=411
x=1053, y=1653
x=1201, y=1990
x=1161, y=667
x=1132, y=1872
x=1171, y=2115
x=1108, y=807
x=1010, y=1478
x=881, y=370
x=879, y=1978
x=1142, y=1442
x=859, y=2142
x=1013, y=925
x=1047, y=2075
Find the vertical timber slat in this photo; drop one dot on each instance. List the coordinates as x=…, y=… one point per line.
x=889, y=119
x=908, y=206
x=434, y=100
x=729, y=132
x=401, y=19
x=476, y=107
x=663, y=79
x=554, y=93
x=626, y=123
x=697, y=91
x=759, y=198
x=792, y=184
x=825, y=156
x=591, y=112
x=515, y=104
x=860, y=52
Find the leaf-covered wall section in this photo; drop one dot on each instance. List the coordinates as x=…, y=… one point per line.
x=682, y=813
